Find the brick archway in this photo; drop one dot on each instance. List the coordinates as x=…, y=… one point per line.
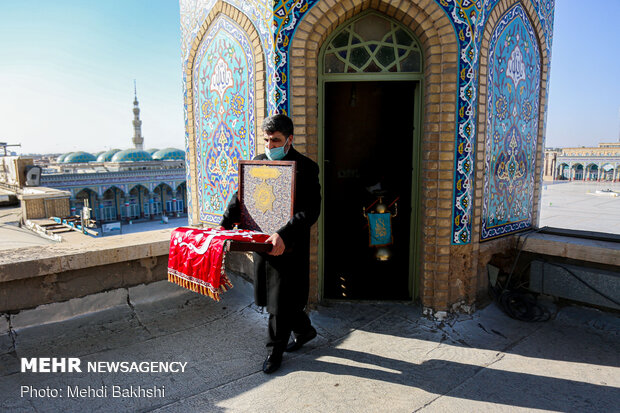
x=440, y=50
x=222, y=8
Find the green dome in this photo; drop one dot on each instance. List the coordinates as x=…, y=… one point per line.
x=131, y=155
x=62, y=157
x=152, y=150
x=79, y=157
x=107, y=155
x=169, y=154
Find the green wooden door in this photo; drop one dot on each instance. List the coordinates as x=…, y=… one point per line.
x=370, y=87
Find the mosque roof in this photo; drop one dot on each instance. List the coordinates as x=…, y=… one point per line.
x=169, y=154
x=79, y=157
x=107, y=155
x=62, y=157
x=131, y=155
x=152, y=150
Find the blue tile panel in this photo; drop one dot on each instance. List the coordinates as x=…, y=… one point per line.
x=513, y=82
x=286, y=16
x=469, y=20
x=276, y=22
x=224, y=121
x=259, y=12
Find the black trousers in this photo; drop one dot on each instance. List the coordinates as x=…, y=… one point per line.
x=281, y=326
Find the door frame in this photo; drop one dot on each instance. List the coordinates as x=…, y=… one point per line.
x=415, y=218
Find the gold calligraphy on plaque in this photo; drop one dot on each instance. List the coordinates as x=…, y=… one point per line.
x=263, y=193
x=380, y=229
x=265, y=172
x=264, y=197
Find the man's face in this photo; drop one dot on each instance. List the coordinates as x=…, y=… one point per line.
x=277, y=139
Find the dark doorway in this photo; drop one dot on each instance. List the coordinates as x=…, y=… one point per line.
x=368, y=142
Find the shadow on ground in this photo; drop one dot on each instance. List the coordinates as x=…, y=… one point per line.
x=365, y=355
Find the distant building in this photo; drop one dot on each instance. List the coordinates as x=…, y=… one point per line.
x=121, y=184
x=600, y=163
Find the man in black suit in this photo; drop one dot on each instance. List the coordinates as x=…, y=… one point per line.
x=281, y=277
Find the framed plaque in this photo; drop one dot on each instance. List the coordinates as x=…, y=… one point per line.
x=266, y=194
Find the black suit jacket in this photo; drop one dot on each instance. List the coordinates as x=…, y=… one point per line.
x=281, y=283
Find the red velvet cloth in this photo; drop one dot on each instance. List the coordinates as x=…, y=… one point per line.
x=197, y=258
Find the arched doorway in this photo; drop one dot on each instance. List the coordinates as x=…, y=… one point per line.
x=370, y=82
x=563, y=172
x=162, y=199
x=85, y=196
x=592, y=172
x=607, y=172
x=110, y=204
x=137, y=202
x=181, y=204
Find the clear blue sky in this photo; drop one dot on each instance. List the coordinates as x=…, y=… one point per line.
x=67, y=70
x=584, y=101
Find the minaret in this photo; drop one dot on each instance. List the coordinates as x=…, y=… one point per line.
x=137, y=123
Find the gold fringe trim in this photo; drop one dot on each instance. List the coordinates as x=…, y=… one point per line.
x=200, y=289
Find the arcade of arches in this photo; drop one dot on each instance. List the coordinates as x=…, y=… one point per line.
x=600, y=163
x=115, y=204
x=122, y=184
x=123, y=190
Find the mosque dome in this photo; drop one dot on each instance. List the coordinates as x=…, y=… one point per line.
x=107, y=155
x=169, y=154
x=62, y=157
x=131, y=155
x=79, y=157
x=152, y=150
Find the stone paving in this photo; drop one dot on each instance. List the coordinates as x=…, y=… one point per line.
x=576, y=205
x=368, y=357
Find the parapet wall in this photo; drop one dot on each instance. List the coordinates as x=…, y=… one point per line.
x=30, y=277
x=33, y=276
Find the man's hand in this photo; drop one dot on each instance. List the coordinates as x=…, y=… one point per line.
x=278, y=244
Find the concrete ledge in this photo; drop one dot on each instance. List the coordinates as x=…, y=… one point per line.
x=575, y=248
x=60, y=273
x=4, y=325
x=76, y=307
x=150, y=293
x=55, y=312
x=30, y=277
x=92, y=252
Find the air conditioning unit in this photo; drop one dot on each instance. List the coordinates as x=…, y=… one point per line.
x=33, y=175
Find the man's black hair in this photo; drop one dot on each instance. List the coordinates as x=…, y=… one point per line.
x=278, y=123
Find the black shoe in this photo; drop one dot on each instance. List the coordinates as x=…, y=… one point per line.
x=272, y=363
x=300, y=340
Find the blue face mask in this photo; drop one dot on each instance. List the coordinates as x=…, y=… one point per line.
x=276, y=154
